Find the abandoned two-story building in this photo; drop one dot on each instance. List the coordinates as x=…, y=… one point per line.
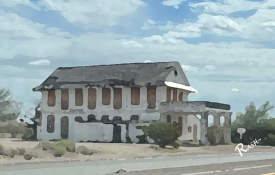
x=107, y=103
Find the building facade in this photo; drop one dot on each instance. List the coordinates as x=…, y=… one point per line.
x=109, y=103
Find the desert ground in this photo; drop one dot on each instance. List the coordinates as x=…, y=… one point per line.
x=112, y=151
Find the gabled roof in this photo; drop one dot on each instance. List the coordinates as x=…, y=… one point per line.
x=131, y=74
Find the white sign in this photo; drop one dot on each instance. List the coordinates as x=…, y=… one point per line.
x=241, y=131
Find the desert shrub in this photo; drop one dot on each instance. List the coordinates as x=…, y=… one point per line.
x=45, y=145
x=68, y=144
x=84, y=150
x=58, y=150
x=12, y=129
x=162, y=133
x=30, y=155
x=176, y=144
x=271, y=139
x=11, y=152
x=27, y=134
x=21, y=151
x=1, y=150
x=215, y=135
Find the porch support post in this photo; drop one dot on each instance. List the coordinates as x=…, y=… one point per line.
x=216, y=119
x=204, y=126
x=227, y=127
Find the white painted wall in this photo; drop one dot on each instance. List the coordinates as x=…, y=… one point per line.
x=86, y=131
x=190, y=120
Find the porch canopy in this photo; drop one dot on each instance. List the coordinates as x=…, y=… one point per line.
x=203, y=109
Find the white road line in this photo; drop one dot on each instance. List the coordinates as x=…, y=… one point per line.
x=206, y=172
x=248, y=168
x=235, y=169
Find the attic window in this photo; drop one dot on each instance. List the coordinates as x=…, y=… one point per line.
x=176, y=73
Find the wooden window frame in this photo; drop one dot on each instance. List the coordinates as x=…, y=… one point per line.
x=78, y=96
x=175, y=95
x=92, y=98
x=117, y=100
x=151, y=98
x=50, y=123
x=135, y=95
x=168, y=94
x=65, y=99
x=106, y=96
x=51, y=98
x=180, y=96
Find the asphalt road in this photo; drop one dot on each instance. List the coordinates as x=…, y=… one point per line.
x=262, y=167
x=102, y=167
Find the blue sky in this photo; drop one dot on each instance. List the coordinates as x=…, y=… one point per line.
x=226, y=47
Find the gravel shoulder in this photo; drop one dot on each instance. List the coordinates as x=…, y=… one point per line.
x=112, y=151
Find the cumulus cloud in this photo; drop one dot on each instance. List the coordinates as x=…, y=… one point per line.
x=235, y=90
x=14, y=3
x=172, y=3
x=226, y=7
x=94, y=13
x=189, y=68
x=43, y=62
x=131, y=43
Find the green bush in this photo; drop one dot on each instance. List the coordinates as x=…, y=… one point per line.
x=271, y=139
x=68, y=144
x=27, y=134
x=84, y=150
x=176, y=144
x=215, y=135
x=162, y=133
x=12, y=129
x=2, y=150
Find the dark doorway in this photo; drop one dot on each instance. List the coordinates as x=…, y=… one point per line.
x=64, y=127
x=117, y=134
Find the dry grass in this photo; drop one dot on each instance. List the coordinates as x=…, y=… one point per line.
x=112, y=151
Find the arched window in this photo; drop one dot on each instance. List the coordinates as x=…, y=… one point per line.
x=50, y=123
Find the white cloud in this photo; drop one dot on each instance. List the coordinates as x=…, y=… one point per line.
x=189, y=68
x=13, y=3
x=43, y=62
x=225, y=7
x=172, y=3
x=21, y=36
x=210, y=67
x=94, y=13
x=149, y=24
x=148, y=61
x=235, y=90
x=131, y=43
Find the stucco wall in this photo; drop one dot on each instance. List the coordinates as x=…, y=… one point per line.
x=98, y=131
